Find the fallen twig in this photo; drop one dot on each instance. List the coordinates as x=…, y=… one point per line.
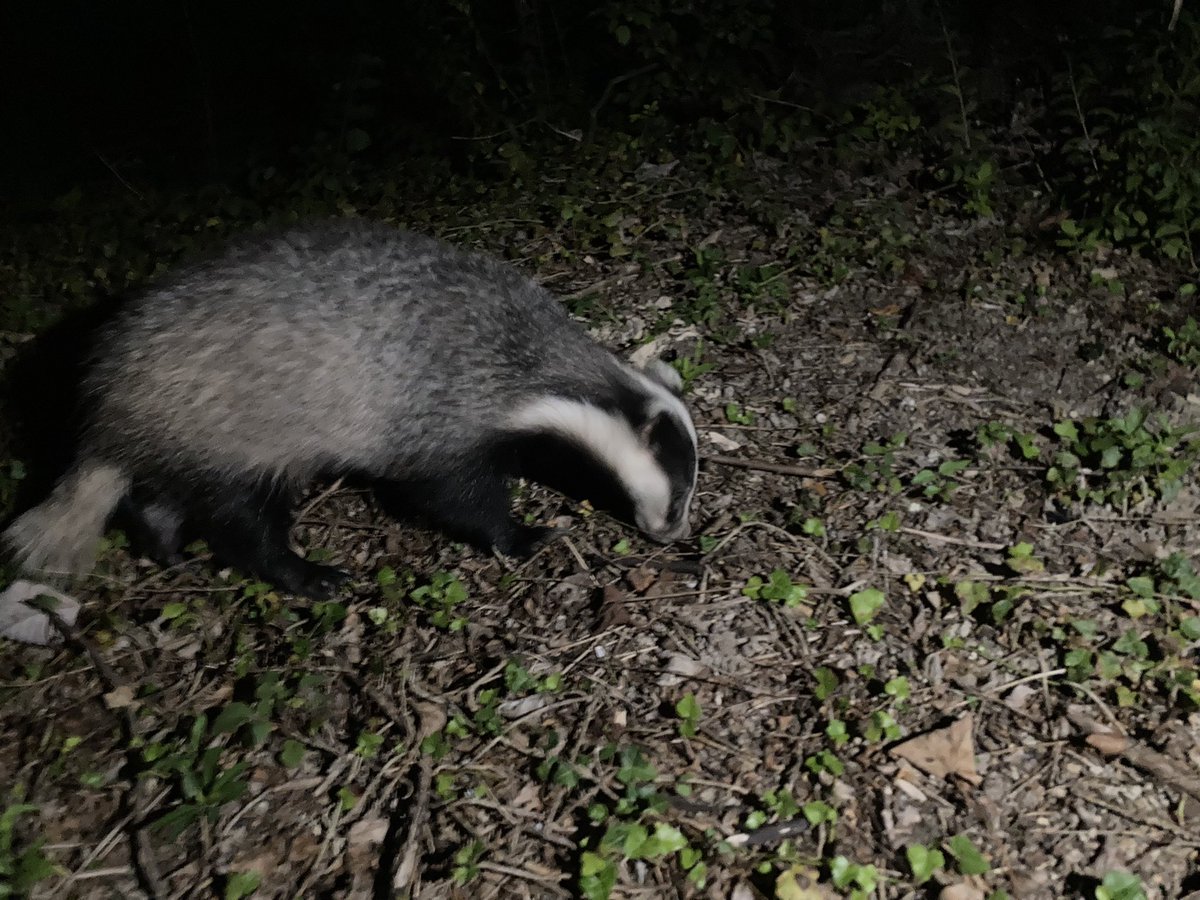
x=1164, y=768
x=759, y=465
x=418, y=813
x=947, y=539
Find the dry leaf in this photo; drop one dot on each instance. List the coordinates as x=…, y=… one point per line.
x=961, y=891
x=678, y=664
x=432, y=718
x=612, y=608
x=119, y=697
x=528, y=798
x=641, y=578
x=721, y=442
x=368, y=831
x=801, y=883
x=1108, y=743
x=947, y=751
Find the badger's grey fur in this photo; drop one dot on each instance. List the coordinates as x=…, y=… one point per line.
x=346, y=347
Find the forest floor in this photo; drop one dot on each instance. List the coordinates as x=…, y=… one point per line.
x=936, y=632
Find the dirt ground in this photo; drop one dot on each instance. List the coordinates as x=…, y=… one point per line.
x=464, y=743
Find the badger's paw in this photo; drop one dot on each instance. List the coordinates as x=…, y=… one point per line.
x=309, y=579
x=526, y=539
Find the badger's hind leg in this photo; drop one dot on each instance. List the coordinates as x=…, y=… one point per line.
x=246, y=526
x=154, y=525
x=470, y=505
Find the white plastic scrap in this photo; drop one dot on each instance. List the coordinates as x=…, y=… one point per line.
x=19, y=621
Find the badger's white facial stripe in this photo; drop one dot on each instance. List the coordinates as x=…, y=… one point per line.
x=668, y=401
x=614, y=443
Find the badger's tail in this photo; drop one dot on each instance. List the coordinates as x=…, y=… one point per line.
x=60, y=537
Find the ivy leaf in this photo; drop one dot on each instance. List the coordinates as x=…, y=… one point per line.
x=865, y=604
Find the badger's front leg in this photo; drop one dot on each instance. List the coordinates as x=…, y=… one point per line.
x=469, y=504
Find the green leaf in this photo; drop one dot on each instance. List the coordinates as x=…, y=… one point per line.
x=827, y=683
x=953, y=467
x=1067, y=430
x=241, y=884
x=865, y=604
x=292, y=754
x=817, y=812
x=232, y=717
x=966, y=854
x=665, y=840
x=836, y=732
x=970, y=594
x=924, y=861
x=635, y=838
x=688, y=707
x=1119, y=885
x=173, y=611
x=1142, y=585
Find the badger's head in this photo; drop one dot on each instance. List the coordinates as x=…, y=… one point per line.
x=637, y=434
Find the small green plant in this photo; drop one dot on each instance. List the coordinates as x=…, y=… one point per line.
x=866, y=604
x=998, y=434
x=881, y=727
x=1122, y=460
x=1118, y=885
x=519, y=680
x=440, y=598
x=939, y=483
x=858, y=880
x=827, y=683
x=837, y=732
x=692, y=366
x=20, y=867
x=825, y=762
x=633, y=841
x=688, y=710
x=627, y=835
x=924, y=861
x=466, y=862
x=877, y=469
x=777, y=587
x=967, y=857
x=241, y=884
x=1183, y=343
x=736, y=415
x=999, y=600
x=1022, y=561
x=197, y=767
x=1155, y=653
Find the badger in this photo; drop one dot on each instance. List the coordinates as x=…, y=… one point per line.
x=348, y=348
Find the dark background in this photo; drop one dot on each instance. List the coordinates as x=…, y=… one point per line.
x=193, y=91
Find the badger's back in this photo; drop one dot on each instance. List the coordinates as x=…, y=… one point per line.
x=344, y=344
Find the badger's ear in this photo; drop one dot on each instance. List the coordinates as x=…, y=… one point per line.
x=665, y=374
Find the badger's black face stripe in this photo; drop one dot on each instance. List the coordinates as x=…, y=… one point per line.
x=672, y=446
x=566, y=467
